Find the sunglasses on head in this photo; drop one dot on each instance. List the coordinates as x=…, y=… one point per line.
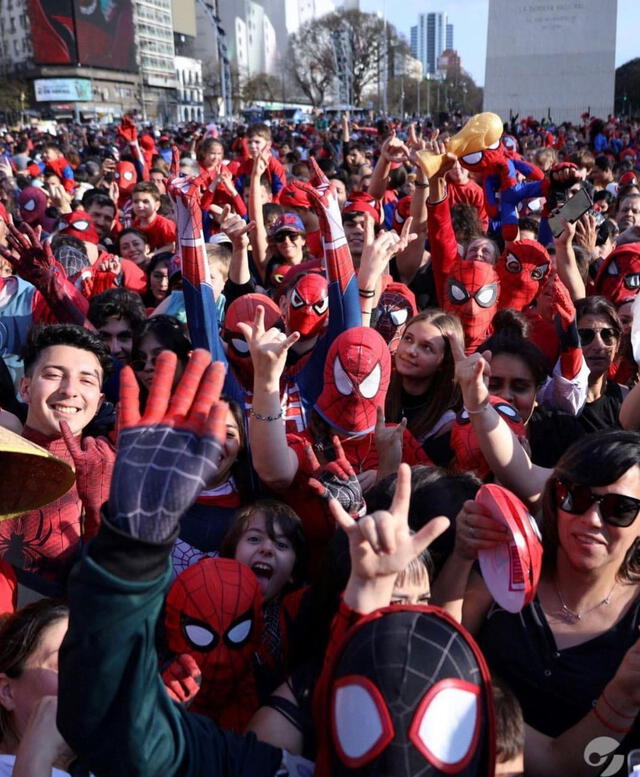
x=587, y=336
x=615, y=509
x=282, y=236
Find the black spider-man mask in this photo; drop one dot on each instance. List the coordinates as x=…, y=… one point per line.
x=410, y=695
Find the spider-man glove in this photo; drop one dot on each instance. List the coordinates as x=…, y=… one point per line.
x=564, y=319
x=128, y=130
x=182, y=679
x=93, y=460
x=166, y=456
x=337, y=480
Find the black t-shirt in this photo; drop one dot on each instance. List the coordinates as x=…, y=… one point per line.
x=437, y=447
x=603, y=413
x=556, y=688
x=550, y=432
x=422, y=285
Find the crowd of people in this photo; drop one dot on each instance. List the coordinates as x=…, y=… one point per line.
x=282, y=361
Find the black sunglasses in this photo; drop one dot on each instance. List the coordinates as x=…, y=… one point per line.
x=615, y=509
x=282, y=236
x=587, y=336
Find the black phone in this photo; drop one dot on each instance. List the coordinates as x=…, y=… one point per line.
x=571, y=211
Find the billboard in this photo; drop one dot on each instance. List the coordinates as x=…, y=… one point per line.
x=54, y=89
x=104, y=34
x=52, y=32
x=84, y=32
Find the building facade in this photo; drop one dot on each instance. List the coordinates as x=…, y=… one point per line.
x=429, y=38
x=555, y=67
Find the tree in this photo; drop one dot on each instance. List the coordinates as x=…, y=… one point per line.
x=311, y=61
x=261, y=86
x=346, y=44
x=627, y=89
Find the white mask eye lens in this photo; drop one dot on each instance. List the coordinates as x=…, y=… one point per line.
x=342, y=380
x=370, y=385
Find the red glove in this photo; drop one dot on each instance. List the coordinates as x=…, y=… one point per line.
x=94, y=459
x=336, y=480
x=36, y=264
x=128, y=130
x=182, y=679
x=564, y=319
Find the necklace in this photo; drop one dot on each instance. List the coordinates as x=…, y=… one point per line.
x=573, y=616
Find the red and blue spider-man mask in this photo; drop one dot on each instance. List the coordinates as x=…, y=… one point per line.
x=409, y=696
x=522, y=270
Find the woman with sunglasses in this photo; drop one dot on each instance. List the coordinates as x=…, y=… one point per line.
x=600, y=335
x=286, y=244
x=570, y=656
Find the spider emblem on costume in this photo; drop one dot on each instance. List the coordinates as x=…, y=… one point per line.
x=244, y=309
x=472, y=294
x=409, y=695
x=356, y=379
x=397, y=304
x=618, y=277
x=521, y=270
x=468, y=456
x=214, y=613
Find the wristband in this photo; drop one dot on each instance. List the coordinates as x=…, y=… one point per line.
x=481, y=409
x=607, y=724
x=367, y=293
x=267, y=418
x=420, y=185
x=613, y=709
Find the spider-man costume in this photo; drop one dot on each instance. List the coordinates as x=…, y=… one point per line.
x=43, y=544
x=468, y=456
x=499, y=173
x=522, y=270
x=302, y=380
x=618, y=277
x=396, y=305
x=356, y=378
x=405, y=691
x=214, y=613
x=308, y=305
x=472, y=294
x=32, y=203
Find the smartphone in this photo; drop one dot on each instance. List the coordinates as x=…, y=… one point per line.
x=571, y=211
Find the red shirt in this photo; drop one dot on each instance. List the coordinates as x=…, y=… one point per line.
x=469, y=193
x=159, y=233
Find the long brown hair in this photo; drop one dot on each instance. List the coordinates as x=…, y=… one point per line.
x=442, y=393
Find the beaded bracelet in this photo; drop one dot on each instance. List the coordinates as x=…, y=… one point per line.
x=267, y=418
x=479, y=410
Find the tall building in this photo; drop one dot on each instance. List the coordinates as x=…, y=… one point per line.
x=188, y=68
x=554, y=69
x=449, y=40
x=156, y=51
x=428, y=39
x=79, y=59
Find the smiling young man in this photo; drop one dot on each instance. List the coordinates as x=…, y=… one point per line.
x=65, y=366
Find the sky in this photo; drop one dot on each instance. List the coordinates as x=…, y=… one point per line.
x=469, y=18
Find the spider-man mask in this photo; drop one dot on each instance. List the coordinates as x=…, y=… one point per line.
x=79, y=224
x=472, y=295
x=214, y=613
x=487, y=162
x=356, y=378
x=126, y=177
x=244, y=309
x=468, y=456
x=410, y=696
x=308, y=305
x=397, y=304
x=618, y=277
x=32, y=203
x=521, y=271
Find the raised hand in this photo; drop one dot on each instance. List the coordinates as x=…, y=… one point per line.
x=394, y=150
x=388, y=440
x=476, y=530
x=268, y=348
x=472, y=373
x=166, y=456
x=94, y=460
x=29, y=258
x=381, y=545
x=336, y=480
x=128, y=130
x=235, y=227
x=378, y=251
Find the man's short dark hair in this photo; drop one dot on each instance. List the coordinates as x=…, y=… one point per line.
x=41, y=337
x=117, y=303
x=102, y=201
x=91, y=194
